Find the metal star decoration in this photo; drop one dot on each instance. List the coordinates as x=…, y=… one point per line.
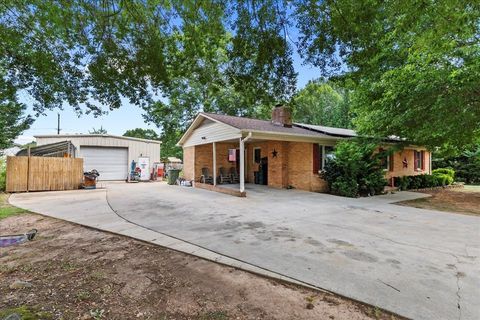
x=274, y=153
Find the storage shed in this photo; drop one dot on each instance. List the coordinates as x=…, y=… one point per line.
x=109, y=154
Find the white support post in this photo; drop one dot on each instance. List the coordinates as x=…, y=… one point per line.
x=214, y=151
x=242, y=161
x=242, y=165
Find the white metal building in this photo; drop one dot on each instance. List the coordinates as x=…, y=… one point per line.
x=110, y=155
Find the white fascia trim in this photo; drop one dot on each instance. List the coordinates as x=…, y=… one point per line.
x=265, y=135
x=194, y=124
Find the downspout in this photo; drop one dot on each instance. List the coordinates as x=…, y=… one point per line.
x=242, y=161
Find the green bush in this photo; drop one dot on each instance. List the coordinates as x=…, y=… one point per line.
x=402, y=182
x=355, y=170
x=345, y=186
x=373, y=183
x=3, y=174
x=415, y=182
x=444, y=179
x=423, y=181
x=447, y=171
x=430, y=181
x=466, y=165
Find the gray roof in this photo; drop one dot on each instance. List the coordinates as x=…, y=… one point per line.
x=84, y=135
x=262, y=125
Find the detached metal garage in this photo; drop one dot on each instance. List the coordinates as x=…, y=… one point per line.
x=110, y=155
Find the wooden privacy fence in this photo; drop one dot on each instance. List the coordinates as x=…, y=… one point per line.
x=43, y=174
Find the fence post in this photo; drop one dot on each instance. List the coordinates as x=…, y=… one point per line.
x=28, y=170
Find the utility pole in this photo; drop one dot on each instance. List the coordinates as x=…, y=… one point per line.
x=58, y=123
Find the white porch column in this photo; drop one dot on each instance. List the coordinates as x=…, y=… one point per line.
x=242, y=165
x=214, y=151
x=242, y=161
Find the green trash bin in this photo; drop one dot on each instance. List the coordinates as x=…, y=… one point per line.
x=173, y=176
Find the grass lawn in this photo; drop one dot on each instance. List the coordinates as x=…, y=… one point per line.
x=464, y=200
x=6, y=210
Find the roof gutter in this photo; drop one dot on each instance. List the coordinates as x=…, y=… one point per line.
x=249, y=135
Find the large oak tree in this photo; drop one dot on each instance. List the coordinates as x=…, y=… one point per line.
x=415, y=64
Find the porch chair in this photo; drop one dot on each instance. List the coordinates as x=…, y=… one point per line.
x=206, y=177
x=223, y=177
x=234, y=175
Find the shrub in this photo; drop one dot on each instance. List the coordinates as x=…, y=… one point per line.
x=354, y=170
x=447, y=171
x=415, y=182
x=466, y=165
x=402, y=182
x=345, y=186
x=423, y=181
x=430, y=181
x=373, y=183
x=3, y=174
x=444, y=179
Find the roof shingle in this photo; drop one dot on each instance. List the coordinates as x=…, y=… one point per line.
x=261, y=125
x=267, y=126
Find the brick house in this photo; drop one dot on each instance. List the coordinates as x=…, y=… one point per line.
x=277, y=153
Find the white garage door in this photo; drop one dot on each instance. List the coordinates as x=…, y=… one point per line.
x=111, y=163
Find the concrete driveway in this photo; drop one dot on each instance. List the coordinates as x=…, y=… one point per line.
x=418, y=263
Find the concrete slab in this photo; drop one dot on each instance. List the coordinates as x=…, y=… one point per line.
x=418, y=263
x=403, y=259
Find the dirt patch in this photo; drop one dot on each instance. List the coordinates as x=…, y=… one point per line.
x=457, y=200
x=80, y=273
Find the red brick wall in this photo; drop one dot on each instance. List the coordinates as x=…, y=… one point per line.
x=293, y=165
x=188, y=163
x=203, y=158
x=198, y=157
x=278, y=165
x=300, y=168
x=222, y=155
x=408, y=154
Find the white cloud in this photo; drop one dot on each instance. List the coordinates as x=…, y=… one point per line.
x=24, y=139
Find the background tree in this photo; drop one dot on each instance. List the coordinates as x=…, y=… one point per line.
x=13, y=121
x=412, y=63
x=180, y=56
x=416, y=64
x=169, y=141
x=323, y=103
x=100, y=130
x=142, y=134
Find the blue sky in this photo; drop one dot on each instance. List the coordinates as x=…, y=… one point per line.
x=118, y=121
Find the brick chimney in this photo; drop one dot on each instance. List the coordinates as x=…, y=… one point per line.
x=282, y=116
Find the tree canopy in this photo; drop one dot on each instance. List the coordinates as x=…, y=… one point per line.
x=415, y=65
x=323, y=103
x=100, y=130
x=13, y=121
x=142, y=134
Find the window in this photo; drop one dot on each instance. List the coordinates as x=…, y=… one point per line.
x=257, y=155
x=384, y=160
x=328, y=153
x=418, y=160
x=322, y=154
